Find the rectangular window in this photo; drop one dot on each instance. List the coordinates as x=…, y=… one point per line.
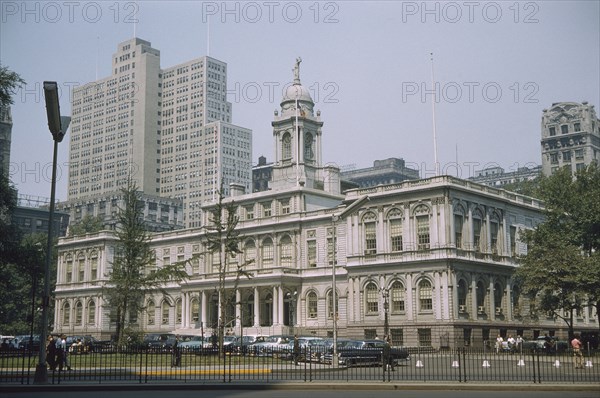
x=494, y=237
x=566, y=155
x=579, y=166
x=513, y=241
x=311, y=253
x=552, y=131
x=81, y=270
x=577, y=127
x=370, y=334
x=424, y=337
x=423, y=232
x=94, y=269
x=579, y=153
x=476, y=234
x=330, y=251
x=554, y=158
x=564, y=129
x=397, y=336
x=285, y=206
x=396, y=235
x=266, y=209
x=69, y=276
x=370, y=238
x=249, y=212
x=372, y=301
x=458, y=227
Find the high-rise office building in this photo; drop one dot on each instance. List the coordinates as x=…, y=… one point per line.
x=570, y=136
x=169, y=129
x=5, y=139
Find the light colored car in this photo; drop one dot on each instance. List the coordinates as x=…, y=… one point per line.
x=270, y=345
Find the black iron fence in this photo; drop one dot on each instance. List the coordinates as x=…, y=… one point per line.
x=311, y=364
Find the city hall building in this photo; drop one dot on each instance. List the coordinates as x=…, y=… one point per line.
x=429, y=261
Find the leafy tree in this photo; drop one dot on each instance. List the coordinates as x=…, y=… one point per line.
x=562, y=267
x=133, y=273
x=87, y=225
x=9, y=82
x=223, y=241
x=527, y=187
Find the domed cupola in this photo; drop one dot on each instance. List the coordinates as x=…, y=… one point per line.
x=297, y=93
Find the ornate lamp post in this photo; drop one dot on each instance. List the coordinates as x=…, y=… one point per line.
x=386, y=307
x=58, y=126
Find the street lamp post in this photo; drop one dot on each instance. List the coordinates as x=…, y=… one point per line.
x=335, y=218
x=58, y=126
x=386, y=306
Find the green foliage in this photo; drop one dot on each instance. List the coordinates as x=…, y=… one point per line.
x=223, y=239
x=133, y=273
x=562, y=267
x=527, y=187
x=9, y=82
x=87, y=225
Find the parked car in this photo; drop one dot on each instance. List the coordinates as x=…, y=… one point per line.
x=84, y=344
x=270, y=345
x=159, y=341
x=24, y=344
x=545, y=344
x=366, y=353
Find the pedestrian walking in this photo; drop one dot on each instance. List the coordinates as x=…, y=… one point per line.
x=176, y=358
x=388, y=360
x=51, y=353
x=577, y=354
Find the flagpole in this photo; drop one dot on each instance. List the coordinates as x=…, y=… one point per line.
x=435, y=151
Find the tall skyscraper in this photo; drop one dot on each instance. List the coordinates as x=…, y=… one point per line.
x=570, y=136
x=5, y=139
x=169, y=129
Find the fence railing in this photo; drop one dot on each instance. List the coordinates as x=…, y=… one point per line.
x=461, y=365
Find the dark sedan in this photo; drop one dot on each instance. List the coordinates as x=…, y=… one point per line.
x=366, y=353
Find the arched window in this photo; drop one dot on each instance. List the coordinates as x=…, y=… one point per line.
x=459, y=221
x=425, y=296
x=462, y=295
x=267, y=252
x=370, y=226
x=151, y=311
x=397, y=296
x=286, y=251
x=286, y=146
x=494, y=228
x=477, y=229
x=308, y=147
x=395, y=229
x=250, y=254
x=165, y=310
x=330, y=304
x=498, y=296
x=69, y=269
x=66, y=314
x=312, y=303
x=78, y=313
x=178, y=312
x=371, y=299
x=91, y=313
x=81, y=268
x=481, y=293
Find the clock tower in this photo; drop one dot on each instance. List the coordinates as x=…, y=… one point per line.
x=297, y=135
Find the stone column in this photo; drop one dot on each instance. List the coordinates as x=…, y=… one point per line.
x=256, y=308
x=203, y=307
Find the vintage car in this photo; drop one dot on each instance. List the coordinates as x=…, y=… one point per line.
x=271, y=345
x=365, y=353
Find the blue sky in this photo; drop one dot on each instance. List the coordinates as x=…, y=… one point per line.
x=497, y=66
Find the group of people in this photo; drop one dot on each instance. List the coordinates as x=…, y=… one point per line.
x=512, y=344
x=57, y=354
